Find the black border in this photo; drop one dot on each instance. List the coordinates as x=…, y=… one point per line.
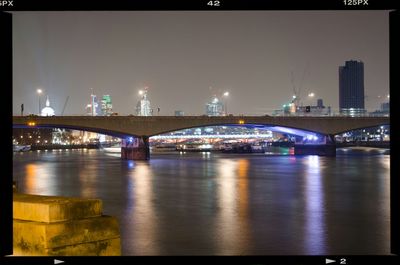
x=170, y=5
x=177, y=5
x=6, y=143
x=394, y=20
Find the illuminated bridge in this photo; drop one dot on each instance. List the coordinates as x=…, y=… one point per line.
x=139, y=128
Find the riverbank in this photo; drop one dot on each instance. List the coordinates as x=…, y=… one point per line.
x=59, y=146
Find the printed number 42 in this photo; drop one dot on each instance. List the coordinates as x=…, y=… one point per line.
x=213, y=3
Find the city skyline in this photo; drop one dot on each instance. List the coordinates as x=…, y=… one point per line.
x=179, y=55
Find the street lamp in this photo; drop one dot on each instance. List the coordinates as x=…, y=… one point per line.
x=39, y=92
x=311, y=96
x=226, y=94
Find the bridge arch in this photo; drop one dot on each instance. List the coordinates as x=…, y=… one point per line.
x=78, y=128
x=270, y=127
x=364, y=127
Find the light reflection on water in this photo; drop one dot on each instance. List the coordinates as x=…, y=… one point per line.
x=141, y=209
x=226, y=204
x=314, y=198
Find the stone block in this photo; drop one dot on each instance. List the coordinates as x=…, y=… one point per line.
x=63, y=226
x=52, y=235
x=53, y=208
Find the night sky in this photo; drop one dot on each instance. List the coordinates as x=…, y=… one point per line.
x=180, y=55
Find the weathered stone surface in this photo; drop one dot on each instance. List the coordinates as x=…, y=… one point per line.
x=37, y=235
x=53, y=209
x=108, y=247
x=58, y=226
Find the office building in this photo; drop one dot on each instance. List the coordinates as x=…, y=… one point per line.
x=215, y=107
x=351, y=88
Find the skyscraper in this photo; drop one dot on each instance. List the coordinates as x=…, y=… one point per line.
x=106, y=105
x=351, y=88
x=143, y=106
x=215, y=107
x=92, y=107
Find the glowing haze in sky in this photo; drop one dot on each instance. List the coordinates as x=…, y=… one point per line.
x=180, y=55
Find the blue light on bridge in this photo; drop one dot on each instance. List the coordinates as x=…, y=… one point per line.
x=311, y=137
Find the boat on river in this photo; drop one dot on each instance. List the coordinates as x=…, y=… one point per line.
x=112, y=149
x=21, y=148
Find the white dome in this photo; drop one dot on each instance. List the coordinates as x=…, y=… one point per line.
x=47, y=111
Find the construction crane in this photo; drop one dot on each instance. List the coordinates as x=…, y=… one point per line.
x=65, y=104
x=297, y=90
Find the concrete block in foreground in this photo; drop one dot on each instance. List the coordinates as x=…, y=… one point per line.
x=63, y=226
x=53, y=208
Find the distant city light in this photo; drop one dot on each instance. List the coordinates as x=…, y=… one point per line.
x=216, y=136
x=226, y=94
x=311, y=95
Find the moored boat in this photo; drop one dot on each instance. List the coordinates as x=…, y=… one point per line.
x=21, y=148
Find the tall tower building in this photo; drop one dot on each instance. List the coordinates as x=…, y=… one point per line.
x=143, y=106
x=92, y=107
x=215, y=107
x=106, y=105
x=351, y=88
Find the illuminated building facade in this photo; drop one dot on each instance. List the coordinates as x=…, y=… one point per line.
x=215, y=107
x=143, y=106
x=106, y=105
x=92, y=107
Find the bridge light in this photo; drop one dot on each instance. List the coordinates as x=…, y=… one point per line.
x=241, y=121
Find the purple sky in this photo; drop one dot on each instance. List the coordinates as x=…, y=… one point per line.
x=181, y=54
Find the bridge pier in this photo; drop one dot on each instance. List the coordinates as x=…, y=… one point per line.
x=135, y=148
x=315, y=149
x=328, y=148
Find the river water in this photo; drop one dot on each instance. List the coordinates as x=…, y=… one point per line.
x=227, y=204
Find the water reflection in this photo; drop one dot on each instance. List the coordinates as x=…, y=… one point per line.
x=88, y=178
x=141, y=196
x=384, y=189
x=221, y=204
x=232, y=224
x=243, y=168
x=40, y=179
x=315, y=233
